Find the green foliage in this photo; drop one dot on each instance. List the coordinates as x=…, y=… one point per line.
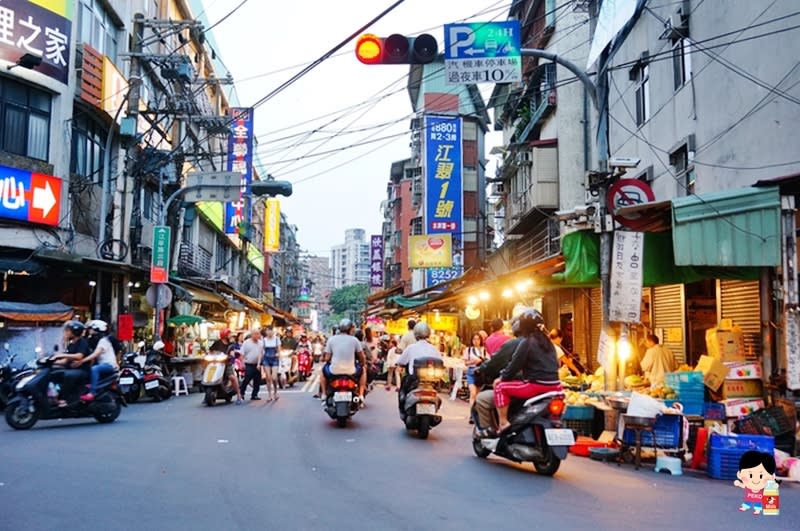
x=350, y=299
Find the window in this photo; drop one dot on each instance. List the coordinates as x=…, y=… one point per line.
x=88, y=146
x=681, y=160
x=97, y=28
x=151, y=204
x=416, y=226
x=681, y=62
x=642, y=78
x=221, y=255
x=24, y=120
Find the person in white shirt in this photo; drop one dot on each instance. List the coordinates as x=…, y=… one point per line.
x=253, y=353
x=103, y=353
x=657, y=361
x=408, y=338
x=421, y=349
x=392, y=371
x=341, y=352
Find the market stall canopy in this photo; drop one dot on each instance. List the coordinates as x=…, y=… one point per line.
x=407, y=302
x=23, y=311
x=379, y=296
x=280, y=315
x=185, y=320
x=203, y=296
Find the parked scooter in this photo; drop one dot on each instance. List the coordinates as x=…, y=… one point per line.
x=9, y=376
x=37, y=397
x=305, y=364
x=156, y=385
x=535, y=434
x=342, y=401
x=131, y=380
x=420, y=404
x=215, y=382
x=287, y=370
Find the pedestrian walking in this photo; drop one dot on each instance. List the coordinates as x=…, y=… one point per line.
x=392, y=370
x=271, y=362
x=253, y=354
x=473, y=356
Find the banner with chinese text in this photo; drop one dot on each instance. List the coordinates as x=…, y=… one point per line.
x=626, y=277
x=444, y=191
x=376, y=261
x=272, y=225
x=240, y=160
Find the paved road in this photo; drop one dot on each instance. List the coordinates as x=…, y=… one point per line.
x=178, y=465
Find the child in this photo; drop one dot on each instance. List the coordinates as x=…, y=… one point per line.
x=755, y=469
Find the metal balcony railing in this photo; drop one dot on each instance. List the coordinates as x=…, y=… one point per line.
x=194, y=261
x=541, y=243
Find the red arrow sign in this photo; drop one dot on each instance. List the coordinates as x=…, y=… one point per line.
x=45, y=199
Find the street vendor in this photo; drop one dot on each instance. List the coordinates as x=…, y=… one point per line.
x=564, y=358
x=658, y=360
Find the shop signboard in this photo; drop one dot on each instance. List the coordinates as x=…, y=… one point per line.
x=159, y=267
x=272, y=225
x=482, y=52
x=444, y=212
x=376, y=261
x=41, y=28
x=426, y=251
x=240, y=161
x=626, y=277
x=115, y=89
x=446, y=322
x=29, y=196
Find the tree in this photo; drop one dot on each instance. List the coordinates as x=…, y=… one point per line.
x=349, y=300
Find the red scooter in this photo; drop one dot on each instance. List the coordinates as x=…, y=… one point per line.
x=305, y=363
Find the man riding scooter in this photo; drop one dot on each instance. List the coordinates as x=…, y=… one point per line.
x=104, y=354
x=223, y=345
x=421, y=349
x=341, y=353
x=76, y=348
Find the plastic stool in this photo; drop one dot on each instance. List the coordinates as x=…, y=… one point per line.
x=671, y=465
x=179, y=386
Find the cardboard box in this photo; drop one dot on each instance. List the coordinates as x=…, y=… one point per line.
x=714, y=372
x=743, y=389
x=741, y=407
x=744, y=371
x=725, y=345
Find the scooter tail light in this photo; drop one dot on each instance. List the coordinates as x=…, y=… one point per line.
x=556, y=407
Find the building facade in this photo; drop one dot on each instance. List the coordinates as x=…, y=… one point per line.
x=350, y=260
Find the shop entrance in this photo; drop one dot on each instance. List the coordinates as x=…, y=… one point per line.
x=701, y=314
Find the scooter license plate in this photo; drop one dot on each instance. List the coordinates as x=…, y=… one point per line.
x=126, y=381
x=342, y=396
x=559, y=437
x=426, y=409
x=152, y=384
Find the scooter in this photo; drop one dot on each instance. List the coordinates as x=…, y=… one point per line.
x=342, y=401
x=156, y=385
x=37, y=397
x=287, y=370
x=305, y=364
x=131, y=380
x=420, y=404
x=535, y=434
x=9, y=376
x=215, y=381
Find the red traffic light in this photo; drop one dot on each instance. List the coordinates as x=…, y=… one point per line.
x=369, y=49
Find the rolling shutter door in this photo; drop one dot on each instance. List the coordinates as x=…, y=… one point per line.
x=596, y=322
x=669, y=315
x=740, y=301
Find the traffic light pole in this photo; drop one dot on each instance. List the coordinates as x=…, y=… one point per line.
x=598, y=92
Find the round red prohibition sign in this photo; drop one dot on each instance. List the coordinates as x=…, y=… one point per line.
x=628, y=192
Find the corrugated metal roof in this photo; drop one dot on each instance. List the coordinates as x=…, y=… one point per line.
x=739, y=227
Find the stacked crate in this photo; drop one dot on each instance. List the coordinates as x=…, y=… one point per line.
x=690, y=390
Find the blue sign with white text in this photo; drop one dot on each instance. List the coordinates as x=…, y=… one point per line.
x=240, y=160
x=482, y=40
x=444, y=189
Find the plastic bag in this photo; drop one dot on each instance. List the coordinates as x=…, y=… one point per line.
x=644, y=406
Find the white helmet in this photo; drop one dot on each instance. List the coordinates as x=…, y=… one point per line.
x=422, y=330
x=97, y=325
x=158, y=345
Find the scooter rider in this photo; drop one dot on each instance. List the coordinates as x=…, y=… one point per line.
x=340, y=354
x=76, y=347
x=535, y=358
x=223, y=345
x=104, y=354
x=421, y=349
x=487, y=373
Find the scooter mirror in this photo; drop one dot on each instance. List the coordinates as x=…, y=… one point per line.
x=38, y=350
x=6, y=346
x=55, y=348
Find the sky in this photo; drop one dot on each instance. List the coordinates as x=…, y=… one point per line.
x=324, y=110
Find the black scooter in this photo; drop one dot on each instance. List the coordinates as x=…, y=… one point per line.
x=36, y=398
x=9, y=376
x=418, y=400
x=535, y=434
x=156, y=385
x=130, y=378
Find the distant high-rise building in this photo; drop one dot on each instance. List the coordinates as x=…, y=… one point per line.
x=350, y=260
x=321, y=279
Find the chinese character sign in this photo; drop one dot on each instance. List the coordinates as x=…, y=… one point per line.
x=444, y=189
x=240, y=160
x=26, y=27
x=29, y=196
x=376, y=261
x=626, y=277
x=272, y=226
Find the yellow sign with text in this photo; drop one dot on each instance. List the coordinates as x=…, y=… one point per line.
x=272, y=226
x=115, y=88
x=446, y=322
x=430, y=250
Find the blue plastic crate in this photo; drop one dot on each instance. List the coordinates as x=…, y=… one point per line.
x=725, y=451
x=692, y=408
x=667, y=430
x=714, y=411
x=574, y=412
x=679, y=379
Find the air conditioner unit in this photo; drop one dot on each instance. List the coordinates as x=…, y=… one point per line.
x=675, y=27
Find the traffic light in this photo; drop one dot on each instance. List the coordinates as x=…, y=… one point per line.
x=396, y=49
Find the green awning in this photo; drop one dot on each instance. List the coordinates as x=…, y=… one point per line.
x=733, y=228
x=407, y=302
x=581, y=252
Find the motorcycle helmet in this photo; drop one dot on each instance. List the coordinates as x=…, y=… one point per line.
x=158, y=345
x=225, y=333
x=530, y=320
x=422, y=331
x=76, y=327
x=97, y=325
x=345, y=325
x=515, y=327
